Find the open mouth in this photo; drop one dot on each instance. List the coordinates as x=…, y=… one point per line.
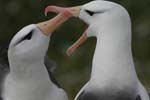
x=73, y=12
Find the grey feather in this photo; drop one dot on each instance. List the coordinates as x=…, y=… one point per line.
x=4, y=65
x=49, y=63
x=51, y=66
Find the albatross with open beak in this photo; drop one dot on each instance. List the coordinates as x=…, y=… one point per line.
x=28, y=78
x=113, y=75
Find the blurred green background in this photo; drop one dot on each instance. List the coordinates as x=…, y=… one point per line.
x=73, y=72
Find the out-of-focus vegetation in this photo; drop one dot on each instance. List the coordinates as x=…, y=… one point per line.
x=73, y=72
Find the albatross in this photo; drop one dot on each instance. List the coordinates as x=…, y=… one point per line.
x=28, y=77
x=113, y=75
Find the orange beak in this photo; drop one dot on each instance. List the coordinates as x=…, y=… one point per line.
x=71, y=12
x=64, y=14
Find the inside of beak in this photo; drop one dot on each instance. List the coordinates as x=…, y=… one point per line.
x=73, y=11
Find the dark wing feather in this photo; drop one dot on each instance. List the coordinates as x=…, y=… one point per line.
x=4, y=65
x=50, y=64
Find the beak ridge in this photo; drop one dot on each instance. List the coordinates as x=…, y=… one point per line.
x=72, y=11
x=54, y=9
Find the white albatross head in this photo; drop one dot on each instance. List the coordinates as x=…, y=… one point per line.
x=29, y=44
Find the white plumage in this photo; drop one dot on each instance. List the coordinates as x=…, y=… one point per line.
x=113, y=75
x=28, y=78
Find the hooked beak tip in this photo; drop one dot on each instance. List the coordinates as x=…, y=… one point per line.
x=47, y=9
x=45, y=13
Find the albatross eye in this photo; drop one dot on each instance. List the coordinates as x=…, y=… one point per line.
x=27, y=37
x=90, y=12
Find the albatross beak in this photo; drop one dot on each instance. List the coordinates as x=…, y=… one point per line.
x=64, y=14
x=72, y=12
x=74, y=46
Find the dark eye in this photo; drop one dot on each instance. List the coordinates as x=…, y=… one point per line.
x=27, y=37
x=90, y=12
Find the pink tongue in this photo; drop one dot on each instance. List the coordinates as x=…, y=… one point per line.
x=57, y=9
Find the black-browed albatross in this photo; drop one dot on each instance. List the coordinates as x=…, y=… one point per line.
x=28, y=78
x=113, y=75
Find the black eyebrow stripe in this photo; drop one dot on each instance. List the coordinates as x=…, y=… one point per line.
x=27, y=37
x=98, y=12
x=92, y=12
